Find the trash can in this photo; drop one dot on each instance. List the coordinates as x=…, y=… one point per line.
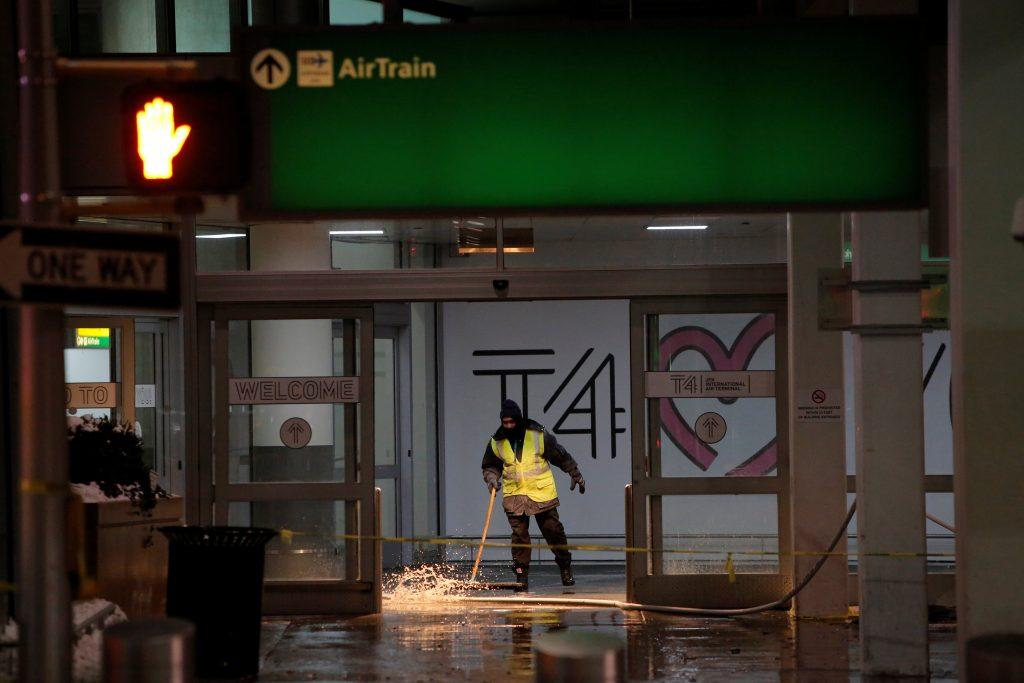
x=215, y=580
x=148, y=651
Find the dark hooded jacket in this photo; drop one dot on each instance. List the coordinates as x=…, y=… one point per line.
x=554, y=453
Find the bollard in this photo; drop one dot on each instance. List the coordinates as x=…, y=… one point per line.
x=996, y=657
x=570, y=656
x=149, y=651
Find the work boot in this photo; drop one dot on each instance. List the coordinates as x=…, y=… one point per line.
x=566, y=571
x=522, y=577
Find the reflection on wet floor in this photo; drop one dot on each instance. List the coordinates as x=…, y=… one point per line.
x=440, y=639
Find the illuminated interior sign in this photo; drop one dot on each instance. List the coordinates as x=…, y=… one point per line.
x=92, y=337
x=159, y=140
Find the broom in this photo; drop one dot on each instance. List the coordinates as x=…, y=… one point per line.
x=480, y=553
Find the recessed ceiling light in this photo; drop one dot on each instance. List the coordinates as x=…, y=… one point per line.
x=220, y=236
x=357, y=232
x=677, y=227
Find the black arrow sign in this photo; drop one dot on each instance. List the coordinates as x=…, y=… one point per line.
x=711, y=424
x=269, y=64
x=296, y=432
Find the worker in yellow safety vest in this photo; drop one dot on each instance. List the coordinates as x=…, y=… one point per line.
x=519, y=456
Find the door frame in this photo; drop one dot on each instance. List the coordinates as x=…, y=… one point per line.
x=401, y=470
x=702, y=590
x=360, y=591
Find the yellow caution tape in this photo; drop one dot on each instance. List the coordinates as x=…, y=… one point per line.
x=730, y=569
x=603, y=548
x=286, y=536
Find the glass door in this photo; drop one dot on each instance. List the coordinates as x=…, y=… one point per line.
x=710, y=467
x=392, y=426
x=291, y=446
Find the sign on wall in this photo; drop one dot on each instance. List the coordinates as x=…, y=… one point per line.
x=710, y=384
x=384, y=120
x=818, y=404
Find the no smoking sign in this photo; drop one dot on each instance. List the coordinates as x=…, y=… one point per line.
x=819, y=404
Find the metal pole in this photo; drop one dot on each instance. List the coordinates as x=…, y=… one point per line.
x=189, y=331
x=43, y=598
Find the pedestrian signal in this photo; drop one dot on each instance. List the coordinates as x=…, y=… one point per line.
x=185, y=137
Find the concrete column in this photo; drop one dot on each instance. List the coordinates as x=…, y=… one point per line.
x=987, y=161
x=890, y=447
x=817, y=465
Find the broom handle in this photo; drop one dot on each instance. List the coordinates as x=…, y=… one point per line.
x=483, y=537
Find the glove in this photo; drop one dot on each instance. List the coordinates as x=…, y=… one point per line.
x=491, y=479
x=577, y=480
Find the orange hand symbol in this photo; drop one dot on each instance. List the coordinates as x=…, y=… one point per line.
x=159, y=140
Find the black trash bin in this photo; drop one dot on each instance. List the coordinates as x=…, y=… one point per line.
x=215, y=580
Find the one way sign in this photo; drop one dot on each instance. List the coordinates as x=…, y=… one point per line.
x=109, y=268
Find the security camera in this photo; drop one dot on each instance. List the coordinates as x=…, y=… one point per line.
x=500, y=285
x=1017, y=228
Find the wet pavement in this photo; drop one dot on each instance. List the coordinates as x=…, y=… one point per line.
x=435, y=639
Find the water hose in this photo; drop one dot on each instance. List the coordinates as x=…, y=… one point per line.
x=688, y=611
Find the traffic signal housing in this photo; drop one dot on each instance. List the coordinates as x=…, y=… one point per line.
x=185, y=137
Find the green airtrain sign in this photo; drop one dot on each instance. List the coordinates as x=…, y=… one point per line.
x=450, y=119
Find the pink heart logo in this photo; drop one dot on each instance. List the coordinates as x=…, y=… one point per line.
x=719, y=357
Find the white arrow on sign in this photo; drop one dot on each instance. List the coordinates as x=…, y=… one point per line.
x=77, y=267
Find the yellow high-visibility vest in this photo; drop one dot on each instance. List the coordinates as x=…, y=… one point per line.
x=530, y=476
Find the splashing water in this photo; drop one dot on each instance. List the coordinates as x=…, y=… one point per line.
x=429, y=583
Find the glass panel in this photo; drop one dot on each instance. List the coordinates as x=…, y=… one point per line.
x=626, y=241
x=315, y=551
x=384, y=400
x=716, y=437
x=261, y=448
x=355, y=12
x=91, y=357
x=715, y=525
x=219, y=249
x=388, y=507
x=116, y=26
x=202, y=26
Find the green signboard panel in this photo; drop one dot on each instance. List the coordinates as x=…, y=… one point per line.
x=437, y=120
